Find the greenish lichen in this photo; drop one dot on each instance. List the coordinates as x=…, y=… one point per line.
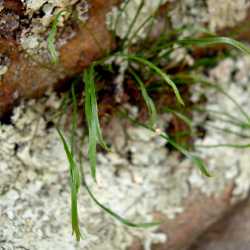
x=34, y=173
x=34, y=37
x=4, y=64
x=132, y=19
x=211, y=13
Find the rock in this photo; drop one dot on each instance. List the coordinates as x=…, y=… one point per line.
x=23, y=39
x=30, y=76
x=35, y=193
x=230, y=233
x=199, y=214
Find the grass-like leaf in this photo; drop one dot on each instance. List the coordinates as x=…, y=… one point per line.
x=225, y=130
x=131, y=25
x=75, y=182
x=91, y=113
x=117, y=216
x=213, y=40
x=159, y=72
x=199, y=163
x=203, y=80
x=181, y=116
x=74, y=118
x=192, y=79
x=149, y=102
x=224, y=145
x=52, y=38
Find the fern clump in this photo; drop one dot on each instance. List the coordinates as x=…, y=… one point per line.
x=143, y=63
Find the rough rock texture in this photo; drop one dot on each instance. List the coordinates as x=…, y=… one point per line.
x=215, y=14
x=230, y=233
x=140, y=179
x=25, y=68
x=122, y=20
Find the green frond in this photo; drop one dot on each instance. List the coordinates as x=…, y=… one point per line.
x=52, y=38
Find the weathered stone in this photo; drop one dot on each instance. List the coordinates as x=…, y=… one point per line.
x=27, y=77
x=230, y=233
x=79, y=45
x=200, y=213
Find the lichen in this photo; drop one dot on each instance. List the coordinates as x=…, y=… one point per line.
x=34, y=38
x=226, y=163
x=3, y=69
x=138, y=177
x=212, y=14
x=215, y=14
x=4, y=64
x=82, y=9
x=35, y=191
x=121, y=19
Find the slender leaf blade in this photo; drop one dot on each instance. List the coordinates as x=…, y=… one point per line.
x=159, y=72
x=118, y=217
x=148, y=100
x=91, y=113
x=52, y=38
x=213, y=40
x=75, y=185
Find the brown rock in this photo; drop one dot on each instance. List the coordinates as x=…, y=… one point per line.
x=200, y=213
x=230, y=233
x=27, y=78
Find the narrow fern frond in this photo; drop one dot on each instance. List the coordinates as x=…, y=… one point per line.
x=75, y=182
x=159, y=72
x=148, y=100
x=91, y=113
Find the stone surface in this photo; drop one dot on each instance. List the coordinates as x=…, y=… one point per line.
x=30, y=75
x=200, y=213
x=29, y=72
x=230, y=233
x=139, y=178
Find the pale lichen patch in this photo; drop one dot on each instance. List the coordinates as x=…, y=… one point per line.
x=41, y=14
x=4, y=64
x=227, y=163
x=3, y=69
x=132, y=19
x=215, y=14
x=34, y=174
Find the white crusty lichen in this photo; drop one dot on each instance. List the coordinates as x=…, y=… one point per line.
x=33, y=6
x=226, y=163
x=34, y=188
x=226, y=13
x=3, y=70
x=34, y=194
x=133, y=18
x=34, y=37
x=4, y=64
x=212, y=13
x=192, y=13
